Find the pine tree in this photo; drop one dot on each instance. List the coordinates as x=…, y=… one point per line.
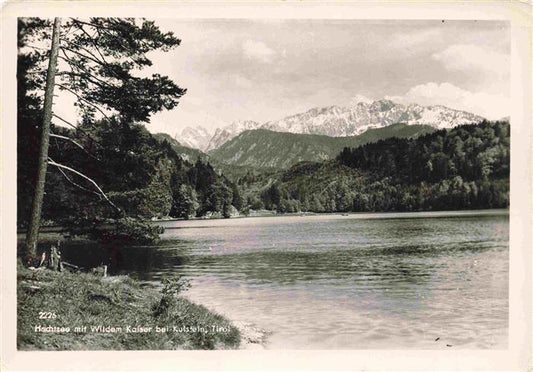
x=96, y=60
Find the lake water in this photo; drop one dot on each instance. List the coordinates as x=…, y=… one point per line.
x=359, y=281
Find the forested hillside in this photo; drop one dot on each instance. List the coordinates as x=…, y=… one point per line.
x=264, y=149
x=463, y=168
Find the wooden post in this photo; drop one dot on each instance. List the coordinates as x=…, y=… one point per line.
x=43, y=259
x=59, y=260
x=55, y=258
x=33, y=231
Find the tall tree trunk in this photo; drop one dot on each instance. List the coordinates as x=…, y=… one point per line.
x=33, y=231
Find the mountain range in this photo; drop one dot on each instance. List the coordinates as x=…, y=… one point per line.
x=335, y=121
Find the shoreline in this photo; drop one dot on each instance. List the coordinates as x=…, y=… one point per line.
x=389, y=214
x=32, y=281
x=252, y=337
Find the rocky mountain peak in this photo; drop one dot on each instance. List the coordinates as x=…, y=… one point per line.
x=338, y=121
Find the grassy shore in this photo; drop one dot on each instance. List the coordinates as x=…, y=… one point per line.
x=51, y=302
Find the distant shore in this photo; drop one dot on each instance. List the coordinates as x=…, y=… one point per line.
x=266, y=213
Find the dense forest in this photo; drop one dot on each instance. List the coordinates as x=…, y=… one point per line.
x=463, y=168
x=143, y=177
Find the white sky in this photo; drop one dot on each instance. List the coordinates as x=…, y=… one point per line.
x=265, y=70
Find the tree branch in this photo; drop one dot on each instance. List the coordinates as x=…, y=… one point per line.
x=83, y=99
x=78, y=128
x=91, y=39
x=75, y=143
x=92, y=24
x=37, y=47
x=83, y=55
x=103, y=61
x=77, y=185
x=73, y=66
x=70, y=63
x=36, y=72
x=67, y=139
x=88, y=76
x=51, y=162
x=66, y=32
x=66, y=59
x=105, y=29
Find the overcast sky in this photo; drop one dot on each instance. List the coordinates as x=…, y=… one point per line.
x=265, y=70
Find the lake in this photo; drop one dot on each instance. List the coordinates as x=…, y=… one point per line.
x=425, y=280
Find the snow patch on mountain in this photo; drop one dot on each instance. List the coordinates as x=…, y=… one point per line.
x=223, y=135
x=359, y=98
x=335, y=121
x=197, y=137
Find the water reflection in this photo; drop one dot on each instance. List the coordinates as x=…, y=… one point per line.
x=138, y=261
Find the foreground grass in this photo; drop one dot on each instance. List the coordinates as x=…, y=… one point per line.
x=79, y=299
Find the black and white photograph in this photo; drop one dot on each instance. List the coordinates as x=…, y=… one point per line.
x=263, y=184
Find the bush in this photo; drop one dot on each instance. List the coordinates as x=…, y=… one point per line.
x=146, y=203
x=172, y=287
x=130, y=230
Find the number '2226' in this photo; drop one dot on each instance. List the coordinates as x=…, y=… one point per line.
x=47, y=315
